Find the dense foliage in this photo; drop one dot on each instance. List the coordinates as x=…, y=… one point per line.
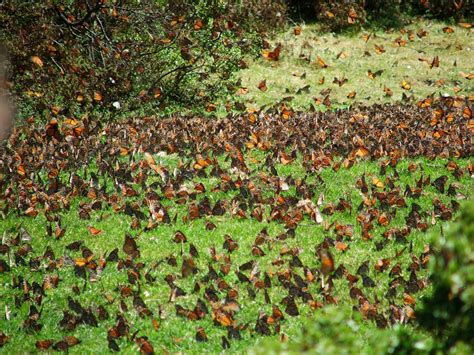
x=72, y=57
x=336, y=15
x=449, y=311
x=336, y=330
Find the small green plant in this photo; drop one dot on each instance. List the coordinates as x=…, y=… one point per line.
x=338, y=330
x=449, y=310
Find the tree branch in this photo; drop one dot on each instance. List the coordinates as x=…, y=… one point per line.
x=88, y=15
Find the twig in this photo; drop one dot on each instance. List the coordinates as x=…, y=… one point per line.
x=103, y=30
x=90, y=12
x=57, y=64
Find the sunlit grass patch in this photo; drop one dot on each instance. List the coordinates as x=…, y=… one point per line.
x=402, y=62
x=176, y=333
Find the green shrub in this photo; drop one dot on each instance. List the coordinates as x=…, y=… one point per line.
x=352, y=14
x=337, y=15
x=449, y=310
x=346, y=14
x=262, y=15
x=339, y=330
x=70, y=58
x=444, y=8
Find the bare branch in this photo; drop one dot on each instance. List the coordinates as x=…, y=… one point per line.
x=88, y=15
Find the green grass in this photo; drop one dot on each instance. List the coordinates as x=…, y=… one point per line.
x=284, y=78
x=177, y=334
x=298, y=66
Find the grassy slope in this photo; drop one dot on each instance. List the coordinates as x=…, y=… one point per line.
x=177, y=334
x=299, y=56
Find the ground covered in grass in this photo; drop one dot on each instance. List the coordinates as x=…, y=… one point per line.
x=190, y=234
x=279, y=224
x=373, y=66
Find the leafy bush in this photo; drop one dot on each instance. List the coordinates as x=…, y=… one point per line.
x=337, y=15
x=388, y=11
x=262, y=15
x=337, y=330
x=71, y=57
x=449, y=310
x=444, y=8
x=351, y=14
